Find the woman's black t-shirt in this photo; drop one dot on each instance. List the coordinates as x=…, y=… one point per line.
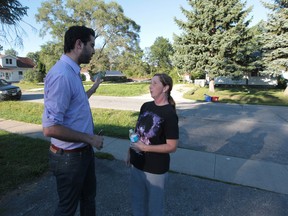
x=155, y=124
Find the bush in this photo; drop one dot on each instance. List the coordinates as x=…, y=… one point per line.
x=282, y=83
x=83, y=77
x=33, y=76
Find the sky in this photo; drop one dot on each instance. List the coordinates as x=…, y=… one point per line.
x=156, y=18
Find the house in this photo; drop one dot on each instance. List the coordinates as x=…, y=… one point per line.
x=12, y=68
x=109, y=75
x=114, y=76
x=248, y=80
x=253, y=79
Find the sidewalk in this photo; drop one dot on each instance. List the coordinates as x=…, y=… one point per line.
x=254, y=173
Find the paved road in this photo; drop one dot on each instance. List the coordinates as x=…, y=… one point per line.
x=245, y=131
x=186, y=196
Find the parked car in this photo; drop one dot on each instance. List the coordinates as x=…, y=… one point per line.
x=9, y=91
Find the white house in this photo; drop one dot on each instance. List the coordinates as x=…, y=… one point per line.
x=12, y=68
x=252, y=81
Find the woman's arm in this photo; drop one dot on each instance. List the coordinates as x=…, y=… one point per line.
x=169, y=147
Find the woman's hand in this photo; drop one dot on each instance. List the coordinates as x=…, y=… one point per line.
x=139, y=146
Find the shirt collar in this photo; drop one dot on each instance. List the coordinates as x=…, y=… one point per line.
x=76, y=68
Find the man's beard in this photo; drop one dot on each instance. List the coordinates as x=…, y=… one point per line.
x=84, y=58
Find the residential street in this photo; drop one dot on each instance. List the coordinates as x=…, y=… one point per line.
x=247, y=131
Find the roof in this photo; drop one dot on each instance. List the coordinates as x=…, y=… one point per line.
x=10, y=56
x=25, y=62
x=22, y=62
x=114, y=73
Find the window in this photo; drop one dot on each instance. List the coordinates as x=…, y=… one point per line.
x=20, y=73
x=8, y=61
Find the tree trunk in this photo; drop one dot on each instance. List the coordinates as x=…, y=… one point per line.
x=286, y=91
x=211, y=86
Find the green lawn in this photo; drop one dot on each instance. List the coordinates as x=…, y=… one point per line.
x=120, y=89
x=240, y=95
x=115, y=123
x=22, y=159
x=28, y=86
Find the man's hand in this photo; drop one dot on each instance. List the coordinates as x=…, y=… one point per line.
x=95, y=85
x=97, y=141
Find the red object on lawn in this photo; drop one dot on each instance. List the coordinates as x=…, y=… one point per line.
x=215, y=98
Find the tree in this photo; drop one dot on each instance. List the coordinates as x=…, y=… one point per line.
x=11, y=52
x=38, y=73
x=160, y=53
x=131, y=64
x=275, y=40
x=35, y=56
x=11, y=13
x=50, y=53
x=114, y=31
x=215, y=40
x=275, y=47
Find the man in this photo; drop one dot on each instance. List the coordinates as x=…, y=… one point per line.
x=67, y=119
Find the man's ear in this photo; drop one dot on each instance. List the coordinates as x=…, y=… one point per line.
x=78, y=44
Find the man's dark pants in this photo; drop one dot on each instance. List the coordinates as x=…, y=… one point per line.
x=76, y=181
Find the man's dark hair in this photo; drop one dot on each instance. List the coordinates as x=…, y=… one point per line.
x=74, y=33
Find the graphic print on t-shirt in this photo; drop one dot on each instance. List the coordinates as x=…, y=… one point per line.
x=148, y=126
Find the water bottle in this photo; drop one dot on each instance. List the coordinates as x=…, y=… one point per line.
x=133, y=136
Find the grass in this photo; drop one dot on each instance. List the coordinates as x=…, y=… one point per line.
x=105, y=89
x=120, y=89
x=22, y=159
x=26, y=86
x=115, y=123
x=240, y=95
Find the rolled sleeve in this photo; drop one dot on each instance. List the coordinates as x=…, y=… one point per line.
x=57, y=95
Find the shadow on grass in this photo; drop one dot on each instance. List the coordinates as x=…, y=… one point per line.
x=22, y=159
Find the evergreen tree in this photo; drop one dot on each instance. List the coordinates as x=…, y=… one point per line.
x=215, y=39
x=11, y=14
x=275, y=39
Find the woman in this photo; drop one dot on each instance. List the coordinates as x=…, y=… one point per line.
x=157, y=128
